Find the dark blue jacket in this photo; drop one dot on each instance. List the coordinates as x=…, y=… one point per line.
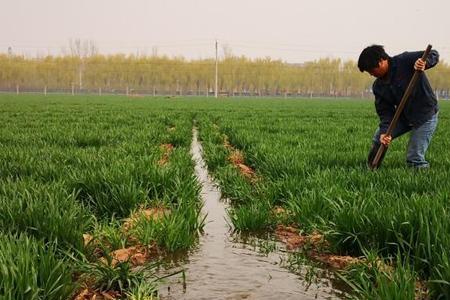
x=422, y=103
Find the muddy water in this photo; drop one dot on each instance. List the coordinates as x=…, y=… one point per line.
x=224, y=269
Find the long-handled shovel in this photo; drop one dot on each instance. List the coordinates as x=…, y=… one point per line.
x=376, y=162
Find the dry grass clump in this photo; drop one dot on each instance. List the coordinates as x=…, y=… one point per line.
x=167, y=150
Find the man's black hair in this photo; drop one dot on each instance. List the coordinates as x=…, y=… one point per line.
x=370, y=56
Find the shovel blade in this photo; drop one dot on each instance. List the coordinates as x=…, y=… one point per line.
x=376, y=156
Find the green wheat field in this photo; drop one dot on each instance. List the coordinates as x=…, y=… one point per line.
x=77, y=165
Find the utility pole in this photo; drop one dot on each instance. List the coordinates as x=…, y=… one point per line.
x=217, y=67
x=80, y=75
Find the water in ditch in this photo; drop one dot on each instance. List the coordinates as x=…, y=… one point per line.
x=222, y=268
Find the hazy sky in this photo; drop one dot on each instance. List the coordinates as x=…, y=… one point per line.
x=293, y=30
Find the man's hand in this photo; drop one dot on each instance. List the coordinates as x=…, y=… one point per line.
x=420, y=65
x=385, y=139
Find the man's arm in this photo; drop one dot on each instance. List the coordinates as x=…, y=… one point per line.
x=414, y=59
x=385, y=111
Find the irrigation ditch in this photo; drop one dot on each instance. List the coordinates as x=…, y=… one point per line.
x=228, y=266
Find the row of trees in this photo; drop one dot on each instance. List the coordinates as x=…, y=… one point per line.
x=161, y=74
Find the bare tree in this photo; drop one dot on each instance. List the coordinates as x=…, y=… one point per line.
x=83, y=48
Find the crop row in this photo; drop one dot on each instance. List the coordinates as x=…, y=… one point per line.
x=72, y=170
x=309, y=158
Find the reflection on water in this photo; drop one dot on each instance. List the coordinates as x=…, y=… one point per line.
x=222, y=268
